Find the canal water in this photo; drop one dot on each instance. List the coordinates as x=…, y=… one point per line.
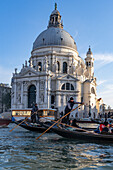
x=19, y=150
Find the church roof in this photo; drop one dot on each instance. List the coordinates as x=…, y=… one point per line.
x=54, y=35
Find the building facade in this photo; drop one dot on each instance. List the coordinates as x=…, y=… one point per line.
x=5, y=97
x=55, y=72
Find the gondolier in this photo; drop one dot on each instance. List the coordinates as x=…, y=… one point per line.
x=34, y=113
x=69, y=107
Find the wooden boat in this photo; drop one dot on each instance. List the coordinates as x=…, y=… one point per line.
x=43, y=113
x=82, y=134
x=4, y=122
x=32, y=126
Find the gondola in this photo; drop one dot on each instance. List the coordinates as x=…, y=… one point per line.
x=4, y=122
x=82, y=134
x=37, y=127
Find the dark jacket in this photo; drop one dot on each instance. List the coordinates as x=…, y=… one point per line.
x=105, y=129
x=34, y=114
x=70, y=105
x=35, y=109
x=68, y=108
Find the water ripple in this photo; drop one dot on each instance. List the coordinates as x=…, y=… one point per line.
x=20, y=150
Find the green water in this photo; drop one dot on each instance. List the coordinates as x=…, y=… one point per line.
x=20, y=150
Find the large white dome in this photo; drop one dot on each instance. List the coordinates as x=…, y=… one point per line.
x=54, y=37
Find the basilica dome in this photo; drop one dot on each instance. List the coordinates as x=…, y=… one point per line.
x=54, y=36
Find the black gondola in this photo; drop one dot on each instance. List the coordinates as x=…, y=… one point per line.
x=32, y=127
x=82, y=134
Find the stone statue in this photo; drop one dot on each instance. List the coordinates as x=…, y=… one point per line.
x=55, y=66
x=45, y=64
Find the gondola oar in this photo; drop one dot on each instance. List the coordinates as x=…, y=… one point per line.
x=57, y=121
x=18, y=124
x=21, y=123
x=77, y=128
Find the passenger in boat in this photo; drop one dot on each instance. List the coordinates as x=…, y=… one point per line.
x=101, y=127
x=69, y=107
x=110, y=128
x=105, y=129
x=34, y=113
x=74, y=123
x=97, y=130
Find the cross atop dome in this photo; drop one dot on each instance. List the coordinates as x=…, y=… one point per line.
x=55, y=19
x=55, y=6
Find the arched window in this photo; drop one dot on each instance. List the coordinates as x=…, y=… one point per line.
x=87, y=64
x=67, y=86
x=52, y=99
x=58, y=65
x=81, y=99
x=31, y=96
x=72, y=88
x=63, y=87
x=56, y=19
x=39, y=66
x=93, y=90
x=64, y=67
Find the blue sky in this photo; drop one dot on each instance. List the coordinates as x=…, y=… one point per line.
x=90, y=22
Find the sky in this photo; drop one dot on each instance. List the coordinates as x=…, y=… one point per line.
x=90, y=22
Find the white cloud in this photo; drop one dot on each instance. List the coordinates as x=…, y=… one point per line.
x=76, y=34
x=105, y=91
x=101, y=82
x=105, y=58
x=107, y=97
x=102, y=60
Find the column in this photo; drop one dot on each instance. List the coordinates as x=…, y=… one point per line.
x=37, y=92
x=15, y=93
x=25, y=100
x=22, y=93
x=46, y=92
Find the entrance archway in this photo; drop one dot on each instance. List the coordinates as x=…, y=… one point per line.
x=31, y=96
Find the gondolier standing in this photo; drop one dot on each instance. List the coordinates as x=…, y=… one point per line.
x=69, y=107
x=34, y=113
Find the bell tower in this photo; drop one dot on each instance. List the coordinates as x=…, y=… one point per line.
x=89, y=61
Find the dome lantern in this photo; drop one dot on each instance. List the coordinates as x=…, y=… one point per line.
x=55, y=19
